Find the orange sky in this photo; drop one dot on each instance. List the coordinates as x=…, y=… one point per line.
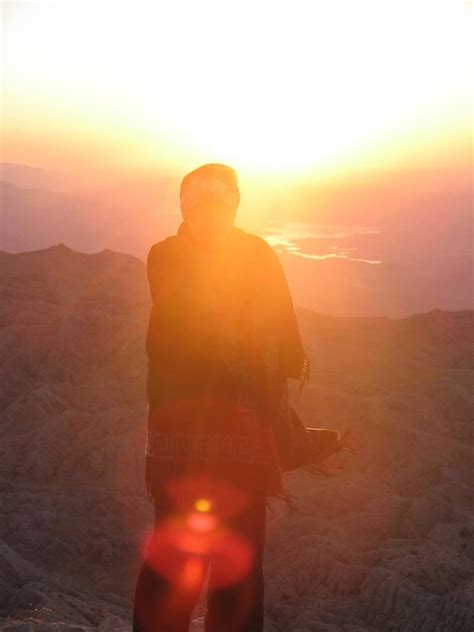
x=278, y=90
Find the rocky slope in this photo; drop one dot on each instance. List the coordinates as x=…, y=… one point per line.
x=384, y=543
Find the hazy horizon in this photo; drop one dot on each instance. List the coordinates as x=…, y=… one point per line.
x=350, y=131
x=389, y=243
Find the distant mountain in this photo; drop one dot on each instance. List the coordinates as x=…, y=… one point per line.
x=390, y=199
x=31, y=219
x=423, y=236
x=412, y=275
x=119, y=214
x=24, y=175
x=418, y=270
x=29, y=177
x=385, y=543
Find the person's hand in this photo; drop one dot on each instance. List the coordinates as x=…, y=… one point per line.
x=325, y=443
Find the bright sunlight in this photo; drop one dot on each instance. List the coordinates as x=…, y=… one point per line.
x=266, y=86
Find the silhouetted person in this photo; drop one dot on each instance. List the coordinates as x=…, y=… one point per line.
x=222, y=340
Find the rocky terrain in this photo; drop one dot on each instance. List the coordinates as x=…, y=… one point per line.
x=385, y=543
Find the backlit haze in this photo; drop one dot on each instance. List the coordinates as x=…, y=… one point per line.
x=345, y=121
x=349, y=123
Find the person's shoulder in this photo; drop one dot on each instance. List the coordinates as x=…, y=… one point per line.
x=256, y=243
x=160, y=248
x=163, y=244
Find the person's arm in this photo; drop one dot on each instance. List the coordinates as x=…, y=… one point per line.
x=151, y=276
x=152, y=343
x=152, y=281
x=158, y=287
x=294, y=363
x=151, y=271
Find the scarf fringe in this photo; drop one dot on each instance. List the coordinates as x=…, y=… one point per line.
x=304, y=377
x=322, y=468
x=325, y=466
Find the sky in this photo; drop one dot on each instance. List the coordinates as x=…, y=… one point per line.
x=279, y=90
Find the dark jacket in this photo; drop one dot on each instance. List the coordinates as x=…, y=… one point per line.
x=211, y=316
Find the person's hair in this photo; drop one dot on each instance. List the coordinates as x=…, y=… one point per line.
x=216, y=170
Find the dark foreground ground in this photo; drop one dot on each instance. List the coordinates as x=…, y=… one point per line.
x=385, y=544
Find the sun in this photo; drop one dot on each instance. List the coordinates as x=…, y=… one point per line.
x=273, y=87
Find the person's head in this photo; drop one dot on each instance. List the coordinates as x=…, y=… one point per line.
x=209, y=197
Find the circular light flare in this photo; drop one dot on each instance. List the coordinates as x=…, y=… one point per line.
x=174, y=543
x=192, y=531
x=200, y=522
x=193, y=573
x=203, y=504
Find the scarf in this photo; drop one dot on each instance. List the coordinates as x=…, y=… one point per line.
x=222, y=340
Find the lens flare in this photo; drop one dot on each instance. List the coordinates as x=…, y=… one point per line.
x=202, y=492
x=199, y=531
x=203, y=504
x=193, y=573
x=201, y=522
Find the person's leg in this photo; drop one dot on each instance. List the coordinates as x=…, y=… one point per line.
x=239, y=606
x=169, y=582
